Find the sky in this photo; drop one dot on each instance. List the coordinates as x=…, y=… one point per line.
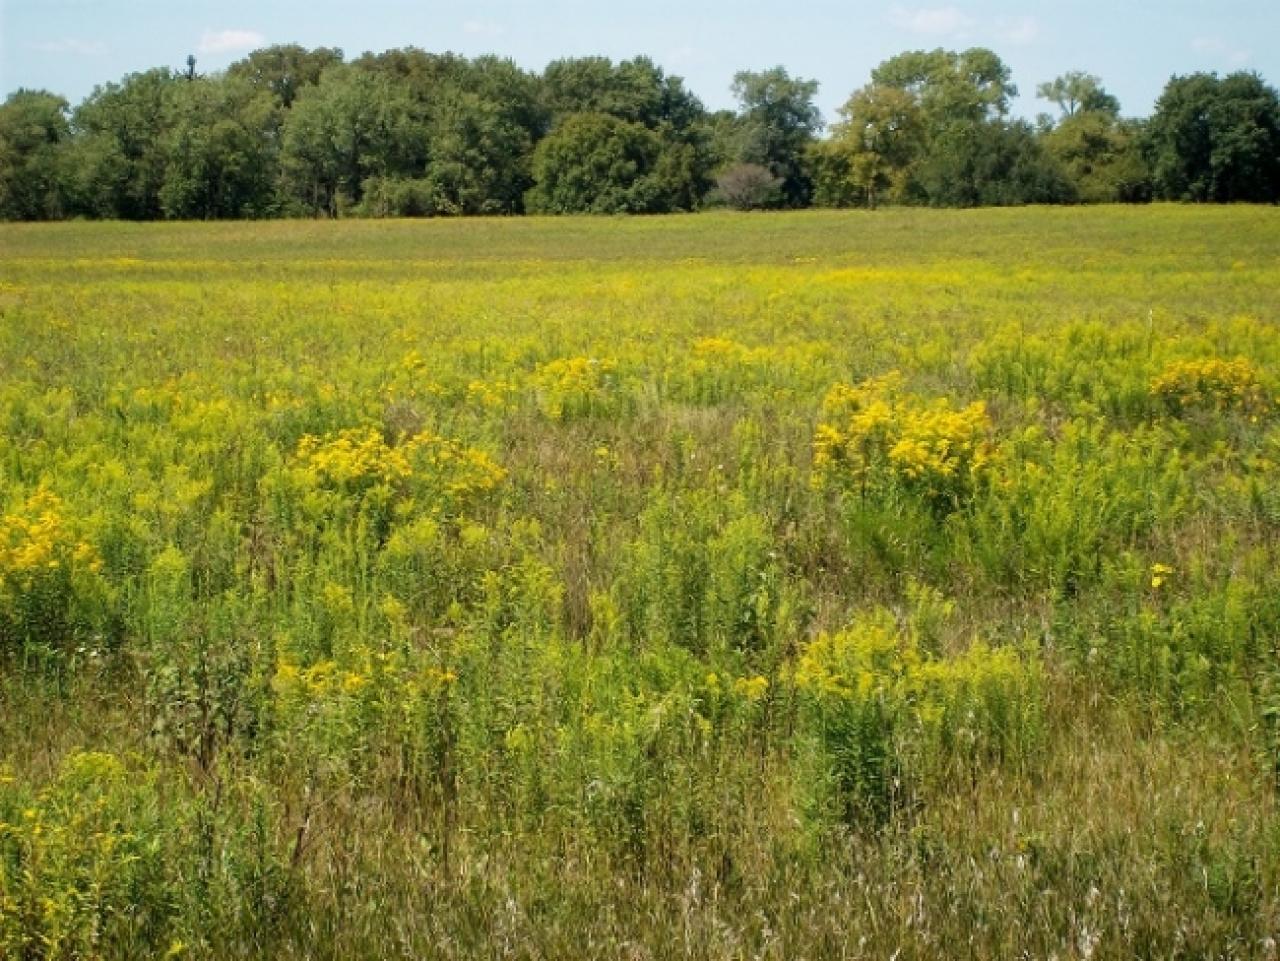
x=69, y=46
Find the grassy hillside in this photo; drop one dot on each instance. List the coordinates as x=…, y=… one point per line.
x=792, y=586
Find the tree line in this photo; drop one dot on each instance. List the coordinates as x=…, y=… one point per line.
x=290, y=131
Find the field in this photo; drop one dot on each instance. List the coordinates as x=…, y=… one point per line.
x=821, y=585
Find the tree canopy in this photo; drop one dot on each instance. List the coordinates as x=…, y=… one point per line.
x=296, y=131
x=778, y=121
x=1077, y=92
x=1216, y=139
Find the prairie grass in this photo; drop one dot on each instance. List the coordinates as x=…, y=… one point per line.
x=820, y=585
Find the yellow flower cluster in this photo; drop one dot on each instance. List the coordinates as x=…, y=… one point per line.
x=856, y=662
x=873, y=662
x=716, y=368
x=1159, y=574
x=359, y=458
x=877, y=430
x=321, y=680
x=462, y=470
x=750, y=689
x=493, y=396
x=728, y=351
x=353, y=458
x=362, y=671
x=37, y=540
x=1211, y=384
x=939, y=442
x=571, y=386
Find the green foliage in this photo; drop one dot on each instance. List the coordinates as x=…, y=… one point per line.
x=33, y=128
x=637, y=91
x=643, y=149
x=778, y=122
x=220, y=145
x=400, y=197
x=284, y=70
x=349, y=127
x=596, y=163
x=290, y=131
x=117, y=160
x=705, y=576
x=1077, y=92
x=872, y=150
x=1216, y=139
x=1102, y=157
x=479, y=120
x=1059, y=510
x=931, y=127
x=888, y=719
x=713, y=585
x=80, y=874
x=991, y=164
x=480, y=157
x=949, y=87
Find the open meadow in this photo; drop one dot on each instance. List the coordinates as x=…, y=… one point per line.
x=799, y=586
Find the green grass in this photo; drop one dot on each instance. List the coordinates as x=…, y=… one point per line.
x=580, y=587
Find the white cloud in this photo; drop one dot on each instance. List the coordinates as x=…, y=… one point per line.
x=1019, y=31
x=72, y=45
x=482, y=28
x=230, y=41
x=1222, y=51
x=931, y=21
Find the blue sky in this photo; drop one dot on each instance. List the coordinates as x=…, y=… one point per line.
x=70, y=45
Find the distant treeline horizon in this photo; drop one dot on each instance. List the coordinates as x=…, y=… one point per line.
x=293, y=132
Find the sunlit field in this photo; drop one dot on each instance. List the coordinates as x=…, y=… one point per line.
x=818, y=585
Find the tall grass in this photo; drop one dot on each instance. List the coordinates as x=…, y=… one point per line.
x=820, y=585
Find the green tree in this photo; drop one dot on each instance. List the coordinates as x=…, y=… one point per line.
x=634, y=90
x=723, y=132
x=930, y=127
x=480, y=156
x=481, y=129
x=285, y=70
x=418, y=72
x=872, y=149
x=1100, y=153
x=1077, y=92
x=479, y=121
x=1102, y=156
x=1216, y=139
x=991, y=163
x=498, y=80
x=639, y=92
x=597, y=163
x=33, y=133
x=221, y=151
x=116, y=166
x=948, y=87
x=778, y=120
x=350, y=127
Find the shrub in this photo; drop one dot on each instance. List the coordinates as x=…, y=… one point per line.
x=887, y=719
x=572, y=387
x=1212, y=384
x=398, y=197
x=52, y=594
x=876, y=434
x=82, y=869
x=749, y=187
